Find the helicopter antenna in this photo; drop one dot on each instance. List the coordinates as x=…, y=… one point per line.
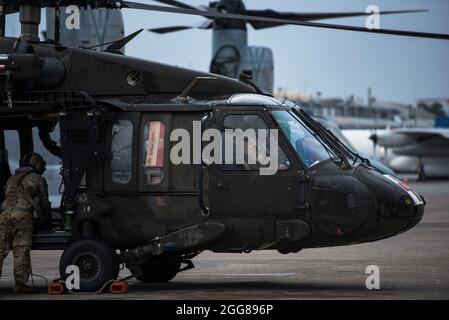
x=184, y=96
x=115, y=46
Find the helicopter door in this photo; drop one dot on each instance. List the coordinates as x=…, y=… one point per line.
x=239, y=189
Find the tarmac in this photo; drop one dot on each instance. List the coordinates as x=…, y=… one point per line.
x=413, y=265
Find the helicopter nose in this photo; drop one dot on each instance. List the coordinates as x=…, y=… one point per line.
x=398, y=207
x=403, y=217
x=408, y=208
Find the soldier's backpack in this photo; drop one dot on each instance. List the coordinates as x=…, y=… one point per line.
x=15, y=187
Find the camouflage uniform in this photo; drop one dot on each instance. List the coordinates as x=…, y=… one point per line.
x=26, y=199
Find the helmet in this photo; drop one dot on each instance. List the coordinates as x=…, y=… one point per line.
x=35, y=161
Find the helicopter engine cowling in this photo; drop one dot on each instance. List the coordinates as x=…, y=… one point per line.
x=21, y=66
x=52, y=73
x=25, y=67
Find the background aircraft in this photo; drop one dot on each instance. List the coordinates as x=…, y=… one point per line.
x=332, y=126
x=99, y=26
x=411, y=145
x=231, y=54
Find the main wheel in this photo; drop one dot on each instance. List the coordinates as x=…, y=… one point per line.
x=97, y=262
x=160, y=269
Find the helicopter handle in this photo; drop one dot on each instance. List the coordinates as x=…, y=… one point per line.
x=204, y=210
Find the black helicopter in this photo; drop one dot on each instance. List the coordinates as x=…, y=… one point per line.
x=125, y=201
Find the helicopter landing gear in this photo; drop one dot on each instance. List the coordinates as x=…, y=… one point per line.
x=97, y=262
x=159, y=269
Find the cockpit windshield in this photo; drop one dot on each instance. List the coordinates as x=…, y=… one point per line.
x=310, y=148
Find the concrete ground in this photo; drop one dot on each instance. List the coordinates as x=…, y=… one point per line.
x=414, y=265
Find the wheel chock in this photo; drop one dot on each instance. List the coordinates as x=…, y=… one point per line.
x=56, y=288
x=119, y=287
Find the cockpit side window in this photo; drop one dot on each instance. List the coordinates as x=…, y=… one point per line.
x=153, y=161
x=248, y=153
x=121, y=163
x=309, y=148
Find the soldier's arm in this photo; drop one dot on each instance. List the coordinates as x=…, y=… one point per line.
x=44, y=203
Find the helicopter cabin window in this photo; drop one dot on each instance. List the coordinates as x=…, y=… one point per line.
x=306, y=144
x=252, y=154
x=121, y=148
x=153, y=162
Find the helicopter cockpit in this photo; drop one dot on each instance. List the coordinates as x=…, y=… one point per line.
x=335, y=179
x=310, y=144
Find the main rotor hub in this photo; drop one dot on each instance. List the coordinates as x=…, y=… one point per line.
x=231, y=6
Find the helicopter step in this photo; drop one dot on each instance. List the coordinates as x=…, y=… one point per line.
x=51, y=235
x=51, y=240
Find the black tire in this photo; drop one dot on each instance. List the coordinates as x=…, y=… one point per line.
x=160, y=269
x=96, y=259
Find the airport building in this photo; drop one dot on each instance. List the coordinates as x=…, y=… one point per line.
x=357, y=113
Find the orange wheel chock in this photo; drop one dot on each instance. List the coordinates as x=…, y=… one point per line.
x=119, y=287
x=56, y=287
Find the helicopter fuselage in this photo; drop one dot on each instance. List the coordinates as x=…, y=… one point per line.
x=118, y=117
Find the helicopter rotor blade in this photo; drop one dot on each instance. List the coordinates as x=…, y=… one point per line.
x=311, y=16
x=216, y=14
x=164, y=30
x=203, y=25
x=178, y=4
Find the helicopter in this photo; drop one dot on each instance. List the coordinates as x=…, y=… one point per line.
x=231, y=54
x=122, y=120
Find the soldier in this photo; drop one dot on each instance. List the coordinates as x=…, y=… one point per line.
x=26, y=201
x=420, y=170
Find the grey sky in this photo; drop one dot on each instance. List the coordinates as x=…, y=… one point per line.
x=338, y=63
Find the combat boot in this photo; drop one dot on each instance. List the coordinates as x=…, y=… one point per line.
x=22, y=288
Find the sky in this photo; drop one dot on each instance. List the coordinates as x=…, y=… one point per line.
x=336, y=63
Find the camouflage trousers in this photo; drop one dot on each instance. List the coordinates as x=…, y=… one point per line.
x=16, y=233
